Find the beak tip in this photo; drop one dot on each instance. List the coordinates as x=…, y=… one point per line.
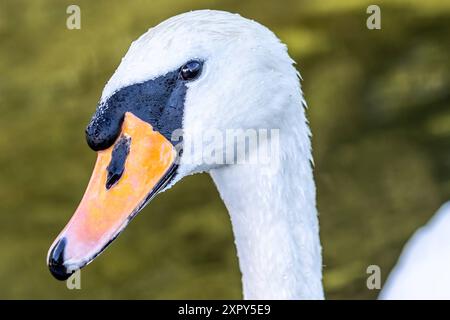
x=56, y=261
x=59, y=273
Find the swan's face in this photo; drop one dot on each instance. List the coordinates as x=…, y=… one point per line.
x=193, y=73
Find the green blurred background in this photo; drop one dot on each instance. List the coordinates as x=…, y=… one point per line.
x=379, y=108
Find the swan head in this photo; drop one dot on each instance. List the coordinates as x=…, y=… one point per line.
x=193, y=73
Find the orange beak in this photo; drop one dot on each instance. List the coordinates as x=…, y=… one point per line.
x=126, y=176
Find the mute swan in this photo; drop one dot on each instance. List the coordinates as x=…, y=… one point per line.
x=196, y=71
x=423, y=269
x=211, y=69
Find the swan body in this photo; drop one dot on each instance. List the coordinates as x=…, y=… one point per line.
x=247, y=82
x=422, y=271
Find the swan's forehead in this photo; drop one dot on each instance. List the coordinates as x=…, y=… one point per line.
x=166, y=47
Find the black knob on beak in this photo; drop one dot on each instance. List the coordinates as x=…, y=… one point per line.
x=56, y=261
x=103, y=130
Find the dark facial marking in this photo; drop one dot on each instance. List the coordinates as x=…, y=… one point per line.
x=118, y=157
x=159, y=102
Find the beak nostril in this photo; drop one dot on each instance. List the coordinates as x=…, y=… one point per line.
x=118, y=157
x=56, y=261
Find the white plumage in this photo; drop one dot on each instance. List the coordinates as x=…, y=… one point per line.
x=248, y=82
x=423, y=269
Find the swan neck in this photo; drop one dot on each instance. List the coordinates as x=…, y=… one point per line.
x=274, y=218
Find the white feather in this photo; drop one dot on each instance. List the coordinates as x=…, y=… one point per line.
x=248, y=81
x=423, y=269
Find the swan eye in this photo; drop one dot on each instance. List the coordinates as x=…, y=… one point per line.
x=191, y=70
